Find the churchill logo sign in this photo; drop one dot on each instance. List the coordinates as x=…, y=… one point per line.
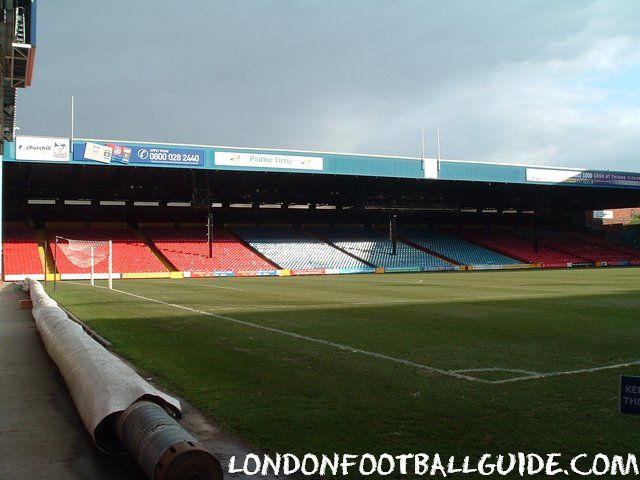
x=45, y=149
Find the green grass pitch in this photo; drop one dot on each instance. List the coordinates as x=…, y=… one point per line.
x=455, y=363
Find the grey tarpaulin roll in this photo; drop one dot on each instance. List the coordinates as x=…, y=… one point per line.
x=163, y=449
x=101, y=385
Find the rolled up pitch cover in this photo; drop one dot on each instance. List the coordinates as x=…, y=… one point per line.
x=163, y=449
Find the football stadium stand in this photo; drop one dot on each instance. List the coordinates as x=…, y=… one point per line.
x=516, y=247
x=130, y=253
x=188, y=250
x=453, y=248
x=376, y=249
x=253, y=250
x=627, y=252
x=21, y=256
x=296, y=249
x=580, y=247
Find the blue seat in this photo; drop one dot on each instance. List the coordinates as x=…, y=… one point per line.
x=296, y=249
x=376, y=248
x=454, y=248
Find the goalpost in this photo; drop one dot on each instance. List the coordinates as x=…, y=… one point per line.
x=84, y=254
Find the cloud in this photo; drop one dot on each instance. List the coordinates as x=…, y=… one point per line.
x=547, y=112
x=536, y=82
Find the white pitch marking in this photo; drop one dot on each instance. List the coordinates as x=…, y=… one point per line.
x=198, y=284
x=217, y=286
x=347, y=304
x=496, y=369
x=569, y=372
x=339, y=346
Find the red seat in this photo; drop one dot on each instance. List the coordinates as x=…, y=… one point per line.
x=188, y=250
x=588, y=247
x=516, y=247
x=21, y=255
x=130, y=254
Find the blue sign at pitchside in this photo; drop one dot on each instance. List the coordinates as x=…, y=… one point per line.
x=630, y=395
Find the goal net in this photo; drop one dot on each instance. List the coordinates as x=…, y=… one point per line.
x=86, y=254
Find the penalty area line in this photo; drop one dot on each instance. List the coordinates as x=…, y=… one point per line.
x=537, y=376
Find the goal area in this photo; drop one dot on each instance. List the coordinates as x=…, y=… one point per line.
x=85, y=255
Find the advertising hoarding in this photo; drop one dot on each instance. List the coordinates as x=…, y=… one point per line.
x=583, y=177
x=44, y=149
x=97, y=152
x=141, y=155
x=261, y=160
x=167, y=156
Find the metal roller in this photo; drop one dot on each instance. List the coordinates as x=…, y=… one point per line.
x=164, y=449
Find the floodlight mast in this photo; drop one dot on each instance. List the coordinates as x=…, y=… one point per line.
x=72, y=120
x=438, y=140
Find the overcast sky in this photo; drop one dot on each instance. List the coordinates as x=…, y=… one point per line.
x=539, y=82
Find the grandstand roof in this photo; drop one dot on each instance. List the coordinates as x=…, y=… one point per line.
x=118, y=153
x=133, y=172
x=17, y=55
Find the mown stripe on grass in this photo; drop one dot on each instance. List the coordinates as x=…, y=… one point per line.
x=338, y=346
x=459, y=373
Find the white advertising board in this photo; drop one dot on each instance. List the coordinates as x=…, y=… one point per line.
x=546, y=175
x=46, y=149
x=261, y=160
x=98, y=153
x=603, y=214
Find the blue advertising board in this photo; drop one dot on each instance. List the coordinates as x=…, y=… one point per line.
x=141, y=155
x=401, y=269
x=356, y=270
x=604, y=178
x=630, y=395
x=221, y=273
x=167, y=156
